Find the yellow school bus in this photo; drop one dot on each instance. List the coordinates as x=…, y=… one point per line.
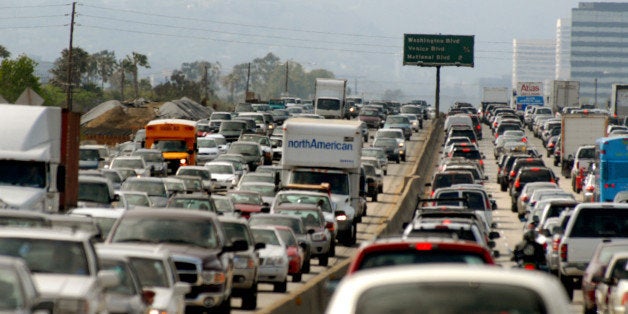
x=175, y=138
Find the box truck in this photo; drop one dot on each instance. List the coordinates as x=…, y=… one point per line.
x=31, y=177
x=329, y=98
x=563, y=94
x=494, y=95
x=578, y=130
x=319, y=151
x=619, y=100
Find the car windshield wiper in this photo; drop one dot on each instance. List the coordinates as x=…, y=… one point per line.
x=180, y=241
x=134, y=240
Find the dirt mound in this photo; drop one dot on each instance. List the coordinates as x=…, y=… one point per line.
x=123, y=118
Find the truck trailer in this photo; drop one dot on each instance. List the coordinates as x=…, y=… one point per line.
x=619, y=100
x=563, y=94
x=31, y=175
x=330, y=98
x=319, y=151
x=578, y=130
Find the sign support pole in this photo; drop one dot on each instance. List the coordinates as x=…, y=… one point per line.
x=437, y=94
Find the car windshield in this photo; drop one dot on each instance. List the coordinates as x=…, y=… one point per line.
x=436, y=297
x=402, y=257
x=202, y=173
x=288, y=237
x=134, y=200
x=264, y=190
x=371, y=113
x=196, y=232
x=397, y=120
x=232, y=126
x=237, y=231
x=206, y=143
x=170, y=146
x=386, y=134
x=246, y=198
x=310, y=218
x=338, y=182
x=97, y=192
x=127, y=163
x=269, y=237
x=88, y=154
x=151, y=272
x=265, y=219
x=322, y=201
x=48, y=256
x=243, y=149
x=126, y=285
x=218, y=168
x=152, y=156
x=385, y=142
x=152, y=188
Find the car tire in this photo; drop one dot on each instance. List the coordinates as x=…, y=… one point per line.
x=568, y=285
x=385, y=172
x=503, y=187
x=280, y=286
x=249, y=298
x=397, y=160
x=513, y=207
x=403, y=158
x=332, y=247
x=297, y=277
x=374, y=197
x=350, y=237
x=305, y=269
x=225, y=307
x=323, y=260
x=380, y=189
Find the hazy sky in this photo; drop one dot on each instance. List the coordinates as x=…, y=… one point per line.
x=358, y=40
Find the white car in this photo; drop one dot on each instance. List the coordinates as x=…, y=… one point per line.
x=128, y=296
x=274, y=258
x=613, y=285
x=220, y=140
x=396, y=134
x=449, y=289
x=64, y=265
x=137, y=163
x=208, y=150
x=156, y=272
x=224, y=173
x=103, y=217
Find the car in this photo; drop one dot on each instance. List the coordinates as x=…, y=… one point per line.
x=398, y=135
x=374, y=181
x=128, y=296
x=93, y=156
x=584, y=156
x=208, y=150
x=224, y=174
x=197, y=201
x=142, y=169
x=64, y=267
x=95, y=192
x=526, y=175
x=404, y=289
x=248, y=202
x=103, y=217
x=21, y=218
x=154, y=187
x=264, y=142
x=295, y=252
x=198, y=171
x=198, y=245
x=266, y=190
x=395, y=251
x=297, y=226
x=378, y=153
x=246, y=263
x=321, y=239
x=371, y=117
x=476, y=198
x=399, y=122
x=596, y=269
x=157, y=275
x=263, y=177
x=452, y=227
x=415, y=121
x=613, y=285
x=220, y=141
x=231, y=129
x=132, y=199
x=390, y=146
x=154, y=159
x=18, y=290
x=526, y=193
x=449, y=178
x=274, y=258
x=224, y=206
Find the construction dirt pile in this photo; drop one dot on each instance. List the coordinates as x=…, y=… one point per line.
x=121, y=120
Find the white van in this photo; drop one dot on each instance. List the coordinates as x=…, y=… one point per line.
x=457, y=119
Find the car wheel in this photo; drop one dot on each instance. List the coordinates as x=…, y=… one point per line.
x=249, y=298
x=385, y=172
x=503, y=187
x=513, y=207
x=323, y=260
x=380, y=189
x=397, y=160
x=332, y=247
x=374, y=197
x=350, y=237
x=297, y=277
x=225, y=306
x=568, y=284
x=305, y=269
x=403, y=158
x=281, y=286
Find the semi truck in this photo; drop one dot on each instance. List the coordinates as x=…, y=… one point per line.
x=175, y=138
x=319, y=151
x=563, y=94
x=578, y=129
x=330, y=97
x=31, y=174
x=619, y=100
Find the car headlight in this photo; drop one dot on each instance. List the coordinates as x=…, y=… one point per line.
x=318, y=236
x=243, y=262
x=156, y=311
x=71, y=306
x=213, y=277
x=400, y=144
x=275, y=261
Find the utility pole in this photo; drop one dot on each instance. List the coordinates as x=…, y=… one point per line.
x=70, y=134
x=204, y=91
x=286, y=87
x=248, y=77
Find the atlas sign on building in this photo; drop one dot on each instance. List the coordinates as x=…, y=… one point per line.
x=529, y=93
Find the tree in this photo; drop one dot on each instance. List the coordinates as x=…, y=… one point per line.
x=205, y=73
x=106, y=63
x=80, y=64
x=16, y=75
x=4, y=53
x=136, y=60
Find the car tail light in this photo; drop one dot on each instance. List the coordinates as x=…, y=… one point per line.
x=432, y=194
x=512, y=173
x=550, y=145
x=525, y=198
x=606, y=185
x=478, y=127
x=481, y=162
x=329, y=226
x=545, y=246
x=517, y=184
x=624, y=299
x=525, y=140
x=423, y=246
x=563, y=252
x=590, y=188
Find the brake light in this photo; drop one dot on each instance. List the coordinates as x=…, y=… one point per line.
x=481, y=162
x=329, y=226
x=552, y=180
x=478, y=127
x=517, y=184
x=550, y=145
x=525, y=198
x=512, y=173
x=535, y=169
x=563, y=252
x=423, y=246
x=555, y=244
x=590, y=188
x=624, y=299
x=525, y=140
x=606, y=185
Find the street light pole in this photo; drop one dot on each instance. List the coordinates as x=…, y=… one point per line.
x=595, y=103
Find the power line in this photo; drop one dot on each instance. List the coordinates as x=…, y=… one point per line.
x=35, y=26
x=35, y=6
x=30, y=17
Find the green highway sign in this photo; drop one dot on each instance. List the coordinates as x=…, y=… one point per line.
x=438, y=50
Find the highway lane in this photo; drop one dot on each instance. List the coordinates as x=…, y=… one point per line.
x=508, y=224
x=377, y=215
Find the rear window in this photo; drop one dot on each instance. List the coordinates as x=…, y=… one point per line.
x=604, y=222
x=468, y=133
x=541, y=175
x=447, y=179
x=392, y=258
x=467, y=153
x=475, y=200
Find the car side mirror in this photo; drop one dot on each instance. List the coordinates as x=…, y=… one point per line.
x=181, y=288
x=265, y=209
x=236, y=246
x=260, y=245
x=108, y=278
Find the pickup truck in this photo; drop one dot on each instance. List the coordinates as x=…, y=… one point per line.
x=589, y=225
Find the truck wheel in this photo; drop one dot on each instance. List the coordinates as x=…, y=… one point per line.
x=323, y=260
x=249, y=298
x=297, y=277
x=380, y=189
x=281, y=286
x=567, y=284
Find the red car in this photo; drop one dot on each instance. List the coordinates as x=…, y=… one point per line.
x=247, y=202
x=403, y=251
x=295, y=252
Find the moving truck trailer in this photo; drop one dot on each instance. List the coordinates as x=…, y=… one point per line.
x=578, y=130
x=329, y=98
x=564, y=94
x=619, y=100
x=176, y=139
x=319, y=151
x=31, y=176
